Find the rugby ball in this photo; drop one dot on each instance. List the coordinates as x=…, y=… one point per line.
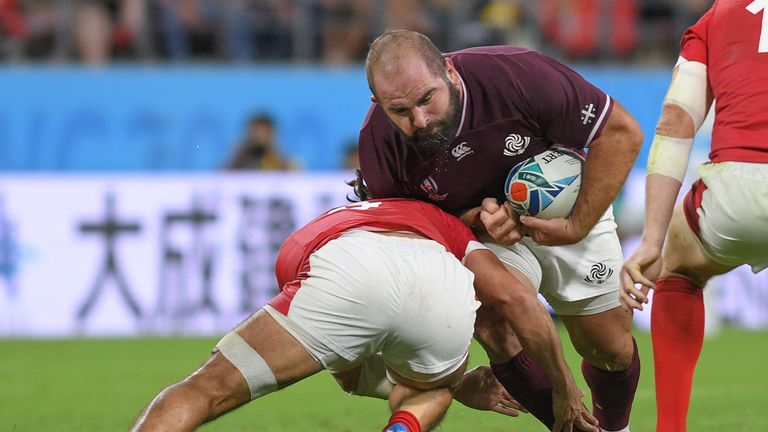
x=545, y=185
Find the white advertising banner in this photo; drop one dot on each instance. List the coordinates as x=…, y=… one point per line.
x=179, y=254
x=126, y=255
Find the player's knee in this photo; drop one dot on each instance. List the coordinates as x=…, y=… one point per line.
x=614, y=356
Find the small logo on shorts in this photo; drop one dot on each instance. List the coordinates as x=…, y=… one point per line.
x=598, y=274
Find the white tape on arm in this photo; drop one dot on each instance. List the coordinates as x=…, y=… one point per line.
x=669, y=156
x=688, y=90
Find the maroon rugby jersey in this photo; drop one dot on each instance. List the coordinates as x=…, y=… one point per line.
x=732, y=40
x=517, y=103
x=395, y=214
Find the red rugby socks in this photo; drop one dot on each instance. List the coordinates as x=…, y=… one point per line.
x=677, y=331
x=403, y=421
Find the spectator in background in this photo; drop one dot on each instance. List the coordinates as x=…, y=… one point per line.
x=258, y=150
x=583, y=29
x=188, y=27
x=27, y=29
x=104, y=29
x=258, y=29
x=343, y=29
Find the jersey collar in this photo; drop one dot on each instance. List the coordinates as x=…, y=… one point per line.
x=464, y=105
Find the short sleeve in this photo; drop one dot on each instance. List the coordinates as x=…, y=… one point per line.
x=570, y=110
x=693, y=46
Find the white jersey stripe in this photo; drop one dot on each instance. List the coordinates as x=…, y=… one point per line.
x=599, y=121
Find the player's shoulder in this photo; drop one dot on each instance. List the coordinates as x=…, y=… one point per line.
x=488, y=58
x=500, y=66
x=376, y=126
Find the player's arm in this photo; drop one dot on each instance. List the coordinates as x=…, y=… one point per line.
x=687, y=102
x=477, y=389
x=498, y=289
x=611, y=157
x=574, y=113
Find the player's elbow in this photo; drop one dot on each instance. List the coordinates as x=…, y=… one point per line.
x=675, y=122
x=622, y=131
x=633, y=136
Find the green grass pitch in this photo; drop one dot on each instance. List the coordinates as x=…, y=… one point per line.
x=100, y=385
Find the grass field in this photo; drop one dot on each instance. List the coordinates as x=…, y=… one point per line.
x=100, y=385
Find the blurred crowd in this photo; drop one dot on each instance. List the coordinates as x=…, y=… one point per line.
x=96, y=32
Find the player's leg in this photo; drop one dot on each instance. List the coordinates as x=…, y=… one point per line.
x=512, y=366
x=677, y=320
x=417, y=410
x=581, y=283
x=611, y=363
x=420, y=406
x=257, y=358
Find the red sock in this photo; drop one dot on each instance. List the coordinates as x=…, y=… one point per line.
x=403, y=421
x=677, y=331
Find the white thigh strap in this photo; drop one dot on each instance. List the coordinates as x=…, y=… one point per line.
x=251, y=365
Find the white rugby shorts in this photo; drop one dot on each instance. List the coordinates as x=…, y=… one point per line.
x=577, y=279
x=407, y=298
x=729, y=213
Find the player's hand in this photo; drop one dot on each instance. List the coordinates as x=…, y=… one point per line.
x=552, y=232
x=480, y=390
x=501, y=222
x=643, y=267
x=570, y=412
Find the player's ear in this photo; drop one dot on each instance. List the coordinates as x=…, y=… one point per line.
x=374, y=100
x=450, y=72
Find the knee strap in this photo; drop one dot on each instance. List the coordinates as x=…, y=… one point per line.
x=251, y=365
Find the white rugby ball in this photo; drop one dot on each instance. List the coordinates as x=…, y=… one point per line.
x=545, y=185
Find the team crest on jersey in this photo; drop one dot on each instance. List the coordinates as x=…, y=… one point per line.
x=429, y=186
x=598, y=274
x=515, y=144
x=588, y=114
x=461, y=151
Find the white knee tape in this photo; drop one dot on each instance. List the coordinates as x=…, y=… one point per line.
x=251, y=365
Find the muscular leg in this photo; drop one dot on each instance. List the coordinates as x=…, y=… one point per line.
x=421, y=405
x=218, y=387
x=513, y=367
x=677, y=321
x=611, y=365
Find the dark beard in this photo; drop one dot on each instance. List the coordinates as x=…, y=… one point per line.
x=440, y=133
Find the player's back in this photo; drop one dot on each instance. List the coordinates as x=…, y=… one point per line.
x=736, y=54
x=392, y=214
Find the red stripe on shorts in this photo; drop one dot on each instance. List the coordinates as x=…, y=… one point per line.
x=692, y=203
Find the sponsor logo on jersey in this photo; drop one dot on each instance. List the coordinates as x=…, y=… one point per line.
x=598, y=274
x=461, y=151
x=429, y=186
x=588, y=114
x=515, y=144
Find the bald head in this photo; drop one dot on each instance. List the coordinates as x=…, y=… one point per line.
x=390, y=53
